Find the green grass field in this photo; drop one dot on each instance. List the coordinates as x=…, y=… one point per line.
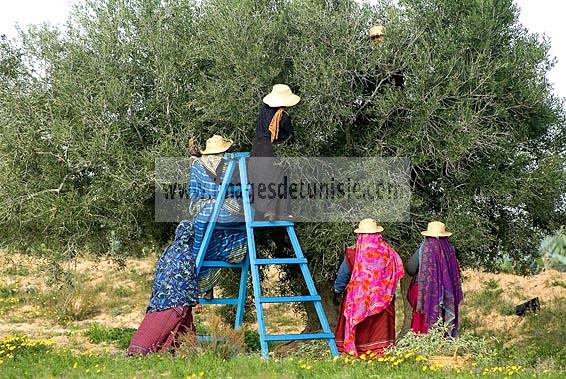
x=83, y=331
x=67, y=364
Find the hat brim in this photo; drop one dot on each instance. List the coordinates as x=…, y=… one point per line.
x=275, y=101
x=215, y=150
x=379, y=229
x=426, y=233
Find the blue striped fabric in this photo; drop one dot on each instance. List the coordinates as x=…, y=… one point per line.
x=226, y=244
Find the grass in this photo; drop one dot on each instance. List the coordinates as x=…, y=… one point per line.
x=489, y=299
x=541, y=342
x=16, y=270
x=540, y=350
x=119, y=336
x=545, y=336
x=74, y=300
x=558, y=283
x=70, y=365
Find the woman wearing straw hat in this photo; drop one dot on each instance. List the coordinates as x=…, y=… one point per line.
x=176, y=287
x=273, y=127
x=377, y=34
x=204, y=184
x=369, y=274
x=435, y=291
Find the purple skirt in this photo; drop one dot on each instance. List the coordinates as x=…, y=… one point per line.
x=159, y=330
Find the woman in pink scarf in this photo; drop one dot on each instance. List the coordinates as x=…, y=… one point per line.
x=367, y=315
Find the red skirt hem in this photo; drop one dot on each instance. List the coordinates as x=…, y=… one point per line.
x=376, y=333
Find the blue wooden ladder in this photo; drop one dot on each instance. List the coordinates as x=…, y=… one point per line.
x=251, y=260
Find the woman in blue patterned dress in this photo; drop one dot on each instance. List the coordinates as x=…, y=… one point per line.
x=176, y=288
x=227, y=245
x=174, y=293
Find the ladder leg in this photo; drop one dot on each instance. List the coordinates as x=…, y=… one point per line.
x=252, y=257
x=242, y=294
x=312, y=289
x=215, y=212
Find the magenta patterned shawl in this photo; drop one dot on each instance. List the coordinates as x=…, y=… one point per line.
x=440, y=288
x=377, y=269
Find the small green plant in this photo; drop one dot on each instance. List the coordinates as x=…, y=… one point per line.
x=16, y=270
x=491, y=284
x=73, y=302
x=120, y=336
x=122, y=291
x=8, y=291
x=251, y=338
x=224, y=342
x=489, y=298
x=11, y=347
x=558, y=283
x=437, y=342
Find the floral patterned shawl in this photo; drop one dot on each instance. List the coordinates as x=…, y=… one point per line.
x=376, y=272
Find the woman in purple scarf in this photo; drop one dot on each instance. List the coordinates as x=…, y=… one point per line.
x=436, y=289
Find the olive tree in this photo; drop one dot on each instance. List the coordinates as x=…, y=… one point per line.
x=86, y=110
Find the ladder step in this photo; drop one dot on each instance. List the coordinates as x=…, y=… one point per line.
x=267, y=224
x=306, y=336
x=280, y=261
x=288, y=299
x=235, y=226
x=228, y=301
x=221, y=264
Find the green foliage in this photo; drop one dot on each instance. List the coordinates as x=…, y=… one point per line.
x=251, y=338
x=71, y=302
x=86, y=110
x=435, y=342
x=120, y=336
x=11, y=347
x=553, y=249
x=545, y=334
x=489, y=299
x=223, y=341
x=65, y=363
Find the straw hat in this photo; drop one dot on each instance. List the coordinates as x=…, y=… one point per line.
x=281, y=96
x=376, y=31
x=368, y=225
x=217, y=144
x=436, y=229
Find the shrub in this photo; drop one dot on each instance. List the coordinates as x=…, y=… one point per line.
x=553, y=248
x=436, y=342
x=73, y=302
x=223, y=341
x=251, y=338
